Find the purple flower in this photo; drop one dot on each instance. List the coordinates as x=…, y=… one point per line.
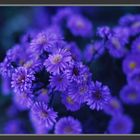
x=43, y=114
x=69, y=103
x=59, y=81
x=130, y=63
x=75, y=51
x=130, y=95
x=116, y=47
x=80, y=26
x=134, y=78
x=68, y=125
x=23, y=100
x=22, y=80
x=58, y=61
x=93, y=51
x=14, y=127
x=104, y=32
x=45, y=41
x=121, y=124
x=136, y=45
x=113, y=107
x=78, y=72
x=78, y=92
x=99, y=96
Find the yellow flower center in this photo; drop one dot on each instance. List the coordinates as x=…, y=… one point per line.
x=132, y=65
x=115, y=104
x=44, y=91
x=80, y=24
x=132, y=96
x=57, y=59
x=69, y=100
x=68, y=130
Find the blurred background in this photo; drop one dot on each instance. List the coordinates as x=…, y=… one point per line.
x=15, y=21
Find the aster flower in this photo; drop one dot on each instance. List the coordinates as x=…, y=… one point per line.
x=136, y=45
x=69, y=103
x=23, y=100
x=116, y=47
x=45, y=41
x=43, y=114
x=99, y=96
x=130, y=63
x=80, y=26
x=93, y=51
x=130, y=95
x=58, y=61
x=14, y=127
x=68, y=125
x=22, y=80
x=59, y=81
x=78, y=72
x=79, y=92
x=113, y=107
x=121, y=124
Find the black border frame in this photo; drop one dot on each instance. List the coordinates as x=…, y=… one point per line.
x=57, y=2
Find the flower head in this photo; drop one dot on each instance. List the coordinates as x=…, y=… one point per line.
x=99, y=97
x=130, y=95
x=45, y=41
x=43, y=114
x=113, y=107
x=78, y=72
x=80, y=26
x=23, y=100
x=131, y=63
x=68, y=125
x=58, y=61
x=22, y=80
x=121, y=124
x=59, y=81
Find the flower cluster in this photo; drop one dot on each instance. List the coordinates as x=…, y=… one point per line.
x=49, y=70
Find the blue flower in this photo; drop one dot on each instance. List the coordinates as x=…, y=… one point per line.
x=120, y=124
x=68, y=125
x=22, y=80
x=43, y=114
x=99, y=97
